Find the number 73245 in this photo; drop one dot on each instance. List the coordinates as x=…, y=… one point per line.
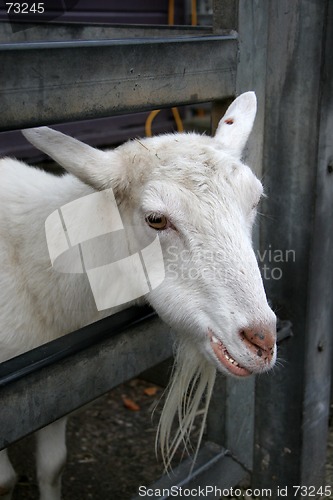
x=25, y=8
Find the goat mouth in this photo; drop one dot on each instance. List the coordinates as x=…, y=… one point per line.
x=225, y=358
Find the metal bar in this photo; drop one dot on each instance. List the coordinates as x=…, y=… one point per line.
x=214, y=471
x=292, y=403
x=27, y=32
x=123, y=42
x=319, y=343
x=66, y=81
x=23, y=32
x=77, y=368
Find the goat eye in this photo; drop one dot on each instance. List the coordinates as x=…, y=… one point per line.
x=156, y=220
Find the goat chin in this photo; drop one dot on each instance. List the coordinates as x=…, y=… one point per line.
x=189, y=394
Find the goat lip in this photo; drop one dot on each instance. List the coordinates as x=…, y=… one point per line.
x=226, y=359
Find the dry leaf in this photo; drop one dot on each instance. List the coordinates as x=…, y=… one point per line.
x=130, y=404
x=151, y=391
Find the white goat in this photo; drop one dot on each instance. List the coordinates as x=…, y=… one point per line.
x=196, y=195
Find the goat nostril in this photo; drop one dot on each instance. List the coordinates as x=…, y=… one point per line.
x=260, y=341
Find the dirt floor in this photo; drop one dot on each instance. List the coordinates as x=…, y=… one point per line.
x=111, y=448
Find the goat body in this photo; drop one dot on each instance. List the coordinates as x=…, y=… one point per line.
x=190, y=194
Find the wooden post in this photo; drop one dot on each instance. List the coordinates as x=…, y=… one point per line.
x=292, y=403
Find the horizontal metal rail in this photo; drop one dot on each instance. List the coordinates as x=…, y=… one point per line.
x=52, y=82
x=54, y=379
x=23, y=32
x=215, y=470
x=75, y=44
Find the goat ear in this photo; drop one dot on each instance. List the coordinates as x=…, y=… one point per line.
x=236, y=125
x=85, y=162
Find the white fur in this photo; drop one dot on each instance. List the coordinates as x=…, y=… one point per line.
x=212, y=281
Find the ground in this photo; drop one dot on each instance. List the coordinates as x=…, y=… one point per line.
x=111, y=448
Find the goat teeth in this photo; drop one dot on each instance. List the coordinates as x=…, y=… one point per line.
x=222, y=348
x=231, y=360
